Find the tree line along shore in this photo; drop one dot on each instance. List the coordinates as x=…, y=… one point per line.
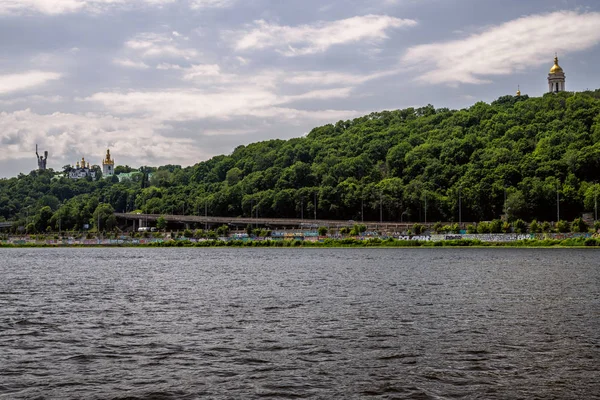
x=522, y=158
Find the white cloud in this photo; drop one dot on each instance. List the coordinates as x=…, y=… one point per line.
x=227, y=132
x=69, y=136
x=124, y=62
x=155, y=45
x=334, y=78
x=33, y=99
x=243, y=61
x=315, y=38
x=15, y=82
x=204, y=70
x=505, y=49
x=323, y=94
x=186, y=105
x=195, y=4
x=57, y=7
x=42, y=6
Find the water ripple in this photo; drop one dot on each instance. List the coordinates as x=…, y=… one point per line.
x=299, y=323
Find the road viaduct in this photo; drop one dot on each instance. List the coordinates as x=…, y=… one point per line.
x=238, y=223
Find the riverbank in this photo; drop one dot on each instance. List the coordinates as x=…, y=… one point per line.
x=586, y=242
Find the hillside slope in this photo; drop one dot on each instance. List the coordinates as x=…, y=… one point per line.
x=517, y=151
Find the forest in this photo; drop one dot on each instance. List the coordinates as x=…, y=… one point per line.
x=516, y=157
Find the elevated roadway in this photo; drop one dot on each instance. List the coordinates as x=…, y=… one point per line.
x=272, y=223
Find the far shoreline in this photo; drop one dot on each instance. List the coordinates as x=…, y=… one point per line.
x=587, y=243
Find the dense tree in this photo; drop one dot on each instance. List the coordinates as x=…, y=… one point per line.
x=408, y=165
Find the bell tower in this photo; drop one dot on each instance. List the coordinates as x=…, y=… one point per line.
x=556, y=78
x=108, y=165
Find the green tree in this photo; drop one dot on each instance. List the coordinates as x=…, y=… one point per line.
x=103, y=218
x=223, y=230
x=43, y=219
x=161, y=223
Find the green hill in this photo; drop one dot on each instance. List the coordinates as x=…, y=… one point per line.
x=410, y=161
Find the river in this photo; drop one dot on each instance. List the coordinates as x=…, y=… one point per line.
x=221, y=323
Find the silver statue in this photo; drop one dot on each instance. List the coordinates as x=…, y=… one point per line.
x=41, y=159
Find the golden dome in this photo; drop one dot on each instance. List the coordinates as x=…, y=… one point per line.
x=518, y=91
x=108, y=160
x=555, y=68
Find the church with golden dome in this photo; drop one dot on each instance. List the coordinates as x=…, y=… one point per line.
x=82, y=169
x=108, y=165
x=556, y=78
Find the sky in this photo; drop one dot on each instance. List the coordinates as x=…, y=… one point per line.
x=179, y=81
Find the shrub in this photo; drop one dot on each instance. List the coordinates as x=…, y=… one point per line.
x=496, y=226
x=535, y=227
x=223, y=230
x=520, y=226
x=471, y=229
x=322, y=230
x=447, y=228
x=579, y=225
x=437, y=227
x=562, y=226
x=484, y=227
x=418, y=228
x=546, y=227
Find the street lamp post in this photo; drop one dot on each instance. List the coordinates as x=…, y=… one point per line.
x=425, y=206
x=459, y=209
x=595, y=203
x=362, y=209
x=380, y=207
x=557, y=205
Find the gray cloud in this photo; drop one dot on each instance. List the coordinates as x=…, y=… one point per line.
x=505, y=49
x=178, y=81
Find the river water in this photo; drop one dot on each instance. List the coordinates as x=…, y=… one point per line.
x=219, y=323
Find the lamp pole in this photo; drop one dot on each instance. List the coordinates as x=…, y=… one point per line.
x=425, y=206
x=595, y=205
x=595, y=202
x=504, y=206
x=459, y=209
x=557, y=204
x=380, y=207
x=362, y=209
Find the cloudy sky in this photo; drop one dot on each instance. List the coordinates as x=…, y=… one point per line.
x=178, y=81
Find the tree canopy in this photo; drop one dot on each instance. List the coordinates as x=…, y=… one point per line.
x=513, y=157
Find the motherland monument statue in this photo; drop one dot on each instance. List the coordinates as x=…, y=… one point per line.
x=41, y=159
